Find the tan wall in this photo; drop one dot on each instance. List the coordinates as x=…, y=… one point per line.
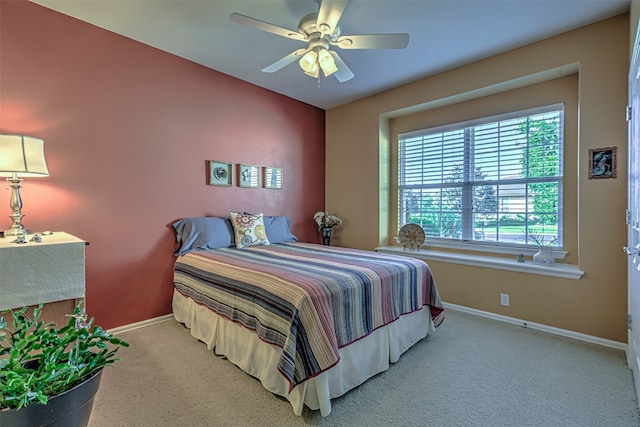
x=359, y=148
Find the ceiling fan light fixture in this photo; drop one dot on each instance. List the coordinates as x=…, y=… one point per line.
x=314, y=72
x=309, y=61
x=326, y=62
x=320, y=30
x=329, y=71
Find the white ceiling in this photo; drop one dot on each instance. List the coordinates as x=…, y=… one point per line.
x=443, y=34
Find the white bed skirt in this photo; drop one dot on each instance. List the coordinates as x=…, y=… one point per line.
x=259, y=359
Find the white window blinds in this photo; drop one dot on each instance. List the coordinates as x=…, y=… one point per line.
x=497, y=179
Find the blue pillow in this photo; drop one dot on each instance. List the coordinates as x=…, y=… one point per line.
x=278, y=229
x=203, y=233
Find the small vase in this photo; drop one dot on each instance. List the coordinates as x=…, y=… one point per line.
x=326, y=236
x=544, y=255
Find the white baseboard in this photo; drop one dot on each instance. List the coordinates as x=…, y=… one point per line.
x=563, y=332
x=512, y=320
x=142, y=324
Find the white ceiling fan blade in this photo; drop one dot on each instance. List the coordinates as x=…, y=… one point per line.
x=373, y=41
x=343, y=73
x=265, y=26
x=329, y=15
x=281, y=63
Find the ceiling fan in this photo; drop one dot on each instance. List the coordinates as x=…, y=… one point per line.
x=320, y=30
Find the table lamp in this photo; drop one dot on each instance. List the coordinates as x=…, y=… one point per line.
x=20, y=157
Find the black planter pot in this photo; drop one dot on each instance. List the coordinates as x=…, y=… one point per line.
x=69, y=409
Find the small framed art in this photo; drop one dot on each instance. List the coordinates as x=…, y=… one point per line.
x=220, y=173
x=273, y=177
x=603, y=163
x=249, y=176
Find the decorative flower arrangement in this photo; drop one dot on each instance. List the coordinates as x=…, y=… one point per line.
x=326, y=220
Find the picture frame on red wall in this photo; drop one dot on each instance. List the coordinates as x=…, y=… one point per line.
x=248, y=176
x=220, y=173
x=273, y=178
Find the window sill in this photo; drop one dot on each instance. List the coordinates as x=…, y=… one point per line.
x=566, y=271
x=489, y=248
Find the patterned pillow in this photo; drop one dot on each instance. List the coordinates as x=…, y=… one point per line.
x=249, y=230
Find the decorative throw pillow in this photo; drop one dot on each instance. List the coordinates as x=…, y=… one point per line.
x=249, y=230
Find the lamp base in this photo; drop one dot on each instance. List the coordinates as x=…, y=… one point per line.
x=16, y=232
x=16, y=229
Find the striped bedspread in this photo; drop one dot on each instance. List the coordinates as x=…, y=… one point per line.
x=307, y=299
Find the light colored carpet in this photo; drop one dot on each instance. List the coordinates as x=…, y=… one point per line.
x=471, y=371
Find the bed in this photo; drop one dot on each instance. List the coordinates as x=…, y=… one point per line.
x=311, y=322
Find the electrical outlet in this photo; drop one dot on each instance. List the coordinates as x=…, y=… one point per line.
x=504, y=300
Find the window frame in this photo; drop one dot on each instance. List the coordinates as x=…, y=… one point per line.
x=488, y=245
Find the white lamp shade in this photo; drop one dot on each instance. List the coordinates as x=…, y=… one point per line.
x=308, y=61
x=313, y=72
x=23, y=156
x=326, y=62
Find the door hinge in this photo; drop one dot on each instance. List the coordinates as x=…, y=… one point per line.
x=629, y=322
x=628, y=112
x=627, y=216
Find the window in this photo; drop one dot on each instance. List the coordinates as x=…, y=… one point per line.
x=496, y=180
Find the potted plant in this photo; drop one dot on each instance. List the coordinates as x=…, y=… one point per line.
x=49, y=375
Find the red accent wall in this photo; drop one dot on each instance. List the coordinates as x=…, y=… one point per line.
x=127, y=130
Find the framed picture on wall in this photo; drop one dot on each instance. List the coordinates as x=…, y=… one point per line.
x=603, y=163
x=220, y=173
x=273, y=177
x=249, y=176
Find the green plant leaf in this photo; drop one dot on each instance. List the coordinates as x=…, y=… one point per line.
x=42, y=398
x=58, y=359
